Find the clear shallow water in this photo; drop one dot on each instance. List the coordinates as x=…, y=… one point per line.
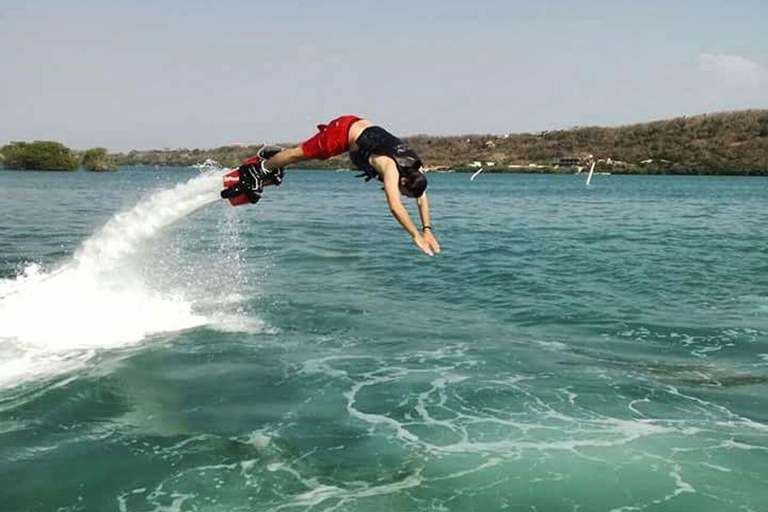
x=572, y=348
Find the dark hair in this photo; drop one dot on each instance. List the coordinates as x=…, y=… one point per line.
x=416, y=184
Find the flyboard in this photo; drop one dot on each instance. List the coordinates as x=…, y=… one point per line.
x=245, y=185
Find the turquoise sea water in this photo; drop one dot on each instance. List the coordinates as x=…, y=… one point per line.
x=572, y=348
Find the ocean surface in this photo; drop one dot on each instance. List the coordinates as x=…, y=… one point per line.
x=572, y=348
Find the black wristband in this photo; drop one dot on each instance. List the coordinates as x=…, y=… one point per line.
x=428, y=228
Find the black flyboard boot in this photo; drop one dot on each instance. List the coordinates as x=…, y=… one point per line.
x=246, y=183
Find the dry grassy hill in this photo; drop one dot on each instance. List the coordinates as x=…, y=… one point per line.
x=721, y=143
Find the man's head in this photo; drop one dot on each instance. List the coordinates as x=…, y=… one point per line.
x=413, y=184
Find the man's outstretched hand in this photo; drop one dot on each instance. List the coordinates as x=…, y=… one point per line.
x=431, y=241
x=422, y=244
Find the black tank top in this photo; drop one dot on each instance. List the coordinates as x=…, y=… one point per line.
x=375, y=140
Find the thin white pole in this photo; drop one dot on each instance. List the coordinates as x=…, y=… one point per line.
x=591, y=171
x=475, y=175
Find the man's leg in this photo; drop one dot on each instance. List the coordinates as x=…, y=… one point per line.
x=330, y=140
x=286, y=157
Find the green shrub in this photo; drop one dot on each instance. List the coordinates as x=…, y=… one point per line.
x=98, y=159
x=39, y=155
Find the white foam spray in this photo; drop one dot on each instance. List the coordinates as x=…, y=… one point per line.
x=52, y=322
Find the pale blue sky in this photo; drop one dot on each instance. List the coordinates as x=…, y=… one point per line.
x=172, y=73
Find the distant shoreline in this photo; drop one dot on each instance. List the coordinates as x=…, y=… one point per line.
x=730, y=143
x=727, y=143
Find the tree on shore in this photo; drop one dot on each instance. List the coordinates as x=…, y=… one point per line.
x=39, y=155
x=98, y=159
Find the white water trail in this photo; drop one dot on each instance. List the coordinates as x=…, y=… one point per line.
x=123, y=234
x=53, y=322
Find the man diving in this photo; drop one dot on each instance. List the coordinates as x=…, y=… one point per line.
x=372, y=149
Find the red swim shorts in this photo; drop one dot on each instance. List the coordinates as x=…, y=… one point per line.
x=331, y=139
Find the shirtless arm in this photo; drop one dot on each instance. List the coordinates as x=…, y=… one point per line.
x=391, y=178
x=426, y=222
